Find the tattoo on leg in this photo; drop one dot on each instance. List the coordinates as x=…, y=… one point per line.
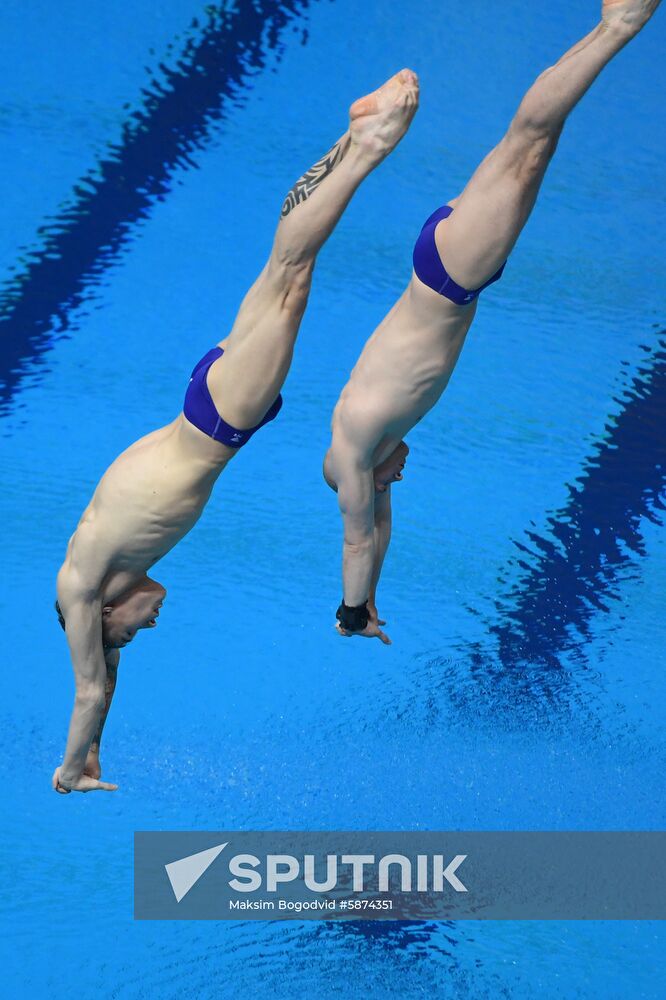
x=313, y=177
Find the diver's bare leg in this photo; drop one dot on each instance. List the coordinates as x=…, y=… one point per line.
x=496, y=203
x=259, y=348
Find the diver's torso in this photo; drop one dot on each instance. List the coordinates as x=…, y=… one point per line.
x=150, y=497
x=403, y=369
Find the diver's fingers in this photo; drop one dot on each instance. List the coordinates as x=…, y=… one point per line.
x=104, y=786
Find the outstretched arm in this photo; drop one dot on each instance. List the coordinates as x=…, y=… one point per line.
x=93, y=768
x=83, y=617
x=356, y=501
x=361, y=555
x=382, y=533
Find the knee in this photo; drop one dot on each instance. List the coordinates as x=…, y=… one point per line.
x=294, y=281
x=531, y=148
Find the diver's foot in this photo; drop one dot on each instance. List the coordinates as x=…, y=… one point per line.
x=379, y=120
x=628, y=15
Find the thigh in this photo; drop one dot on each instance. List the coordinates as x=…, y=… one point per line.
x=247, y=379
x=478, y=236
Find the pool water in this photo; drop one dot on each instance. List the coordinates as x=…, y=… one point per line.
x=146, y=156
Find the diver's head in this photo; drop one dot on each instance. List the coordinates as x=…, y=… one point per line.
x=137, y=608
x=390, y=470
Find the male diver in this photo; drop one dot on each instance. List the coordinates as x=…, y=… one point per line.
x=407, y=362
x=155, y=492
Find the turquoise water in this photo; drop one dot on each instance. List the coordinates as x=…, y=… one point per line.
x=146, y=158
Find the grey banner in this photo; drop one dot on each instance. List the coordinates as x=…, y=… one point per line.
x=266, y=875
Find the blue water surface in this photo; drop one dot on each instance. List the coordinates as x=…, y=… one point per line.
x=147, y=150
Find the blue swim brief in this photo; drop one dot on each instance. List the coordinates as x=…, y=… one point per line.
x=199, y=407
x=430, y=270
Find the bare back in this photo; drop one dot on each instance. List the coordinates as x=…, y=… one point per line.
x=148, y=499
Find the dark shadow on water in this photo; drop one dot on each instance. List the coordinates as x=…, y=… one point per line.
x=179, y=107
x=416, y=937
x=572, y=571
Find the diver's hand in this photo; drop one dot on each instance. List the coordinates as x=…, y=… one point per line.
x=373, y=615
x=82, y=784
x=93, y=768
x=371, y=631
